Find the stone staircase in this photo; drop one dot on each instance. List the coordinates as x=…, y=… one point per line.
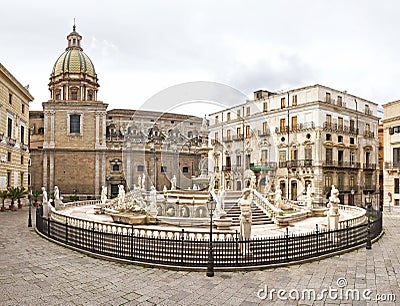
x=259, y=217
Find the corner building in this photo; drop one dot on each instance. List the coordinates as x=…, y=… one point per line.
x=14, y=131
x=78, y=145
x=313, y=134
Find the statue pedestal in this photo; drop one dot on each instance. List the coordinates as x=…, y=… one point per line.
x=223, y=223
x=333, y=221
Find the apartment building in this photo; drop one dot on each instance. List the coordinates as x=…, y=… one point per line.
x=311, y=135
x=14, y=132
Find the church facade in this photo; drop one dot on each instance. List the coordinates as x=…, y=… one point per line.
x=79, y=145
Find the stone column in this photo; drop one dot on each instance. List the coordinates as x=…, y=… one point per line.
x=52, y=129
x=103, y=170
x=97, y=174
x=45, y=170
x=51, y=167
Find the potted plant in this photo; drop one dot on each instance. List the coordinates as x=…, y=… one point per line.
x=3, y=196
x=21, y=193
x=12, y=195
x=36, y=194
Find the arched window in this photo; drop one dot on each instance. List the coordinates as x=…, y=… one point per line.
x=115, y=168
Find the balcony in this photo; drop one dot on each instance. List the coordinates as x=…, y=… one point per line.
x=264, y=133
x=227, y=139
x=282, y=164
x=263, y=166
x=369, y=166
x=12, y=142
x=369, y=188
x=391, y=165
x=238, y=137
x=335, y=128
x=226, y=168
x=214, y=142
x=341, y=164
x=302, y=127
x=282, y=130
x=298, y=163
x=368, y=134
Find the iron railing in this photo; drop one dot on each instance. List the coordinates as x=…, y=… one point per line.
x=186, y=250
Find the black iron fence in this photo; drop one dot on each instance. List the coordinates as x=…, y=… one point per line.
x=187, y=251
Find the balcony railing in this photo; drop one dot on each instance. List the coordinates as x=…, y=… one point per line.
x=264, y=133
x=335, y=128
x=301, y=127
x=263, y=166
x=238, y=137
x=341, y=164
x=368, y=134
x=227, y=139
x=391, y=165
x=369, y=166
x=298, y=163
x=282, y=130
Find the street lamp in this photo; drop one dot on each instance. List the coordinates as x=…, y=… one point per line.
x=211, y=204
x=30, y=209
x=368, y=203
x=352, y=197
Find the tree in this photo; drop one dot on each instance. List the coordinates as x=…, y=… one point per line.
x=3, y=196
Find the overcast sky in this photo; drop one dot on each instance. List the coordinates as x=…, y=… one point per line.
x=140, y=48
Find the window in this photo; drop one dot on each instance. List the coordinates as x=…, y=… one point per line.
x=396, y=185
x=9, y=127
x=248, y=111
x=75, y=124
x=248, y=131
x=282, y=155
x=367, y=128
x=264, y=155
x=22, y=134
x=22, y=179
x=239, y=132
x=396, y=157
x=216, y=136
x=265, y=128
x=339, y=100
x=8, y=178
x=340, y=157
x=190, y=134
x=140, y=168
x=340, y=138
x=265, y=106
x=351, y=140
x=238, y=113
x=340, y=123
x=23, y=108
x=352, y=158
x=74, y=95
x=163, y=169
x=247, y=161
x=10, y=98
x=282, y=124
x=367, y=110
x=294, y=100
x=115, y=168
x=352, y=129
x=228, y=134
x=238, y=160
x=294, y=123
x=9, y=156
x=328, y=97
x=340, y=181
x=328, y=119
x=22, y=160
x=328, y=155
x=293, y=155
x=41, y=130
x=328, y=180
x=228, y=116
x=328, y=137
x=307, y=153
x=283, y=102
x=351, y=180
x=185, y=169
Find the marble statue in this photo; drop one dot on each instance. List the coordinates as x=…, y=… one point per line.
x=121, y=196
x=165, y=189
x=253, y=182
x=173, y=183
x=143, y=181
x=309, y=196
x=245, y=215
x=139, y=181
x=334, y=201
x=153, y=200
x=278, y=198
x=103, y=195
x=45, y=203
x=57, y=198
x=221, y=198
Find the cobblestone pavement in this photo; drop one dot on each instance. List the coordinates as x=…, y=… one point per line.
x=34, y=271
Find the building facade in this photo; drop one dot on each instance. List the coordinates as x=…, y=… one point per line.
x=80, y=146
x=312, y=135
x=391, y=140
x=14, y=131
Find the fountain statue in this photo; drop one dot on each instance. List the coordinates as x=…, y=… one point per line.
x=309, y=196
x=173, y=183
x=333, y=213
x=245, y=216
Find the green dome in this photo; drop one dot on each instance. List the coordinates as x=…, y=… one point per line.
x=73, y=60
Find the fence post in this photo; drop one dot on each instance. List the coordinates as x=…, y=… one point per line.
x=92, y=236
x=66, y=230
x=48, y=226
x=317, y=239
x=347, y=233
x=132, y=241
x=182, y=238
x=287, y=244
x=237, y=247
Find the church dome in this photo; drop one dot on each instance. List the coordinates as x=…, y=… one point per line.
x=73, y=60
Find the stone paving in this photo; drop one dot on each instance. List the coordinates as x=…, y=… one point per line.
x=34, y=271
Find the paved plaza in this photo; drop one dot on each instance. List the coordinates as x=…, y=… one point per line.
x=34, y=271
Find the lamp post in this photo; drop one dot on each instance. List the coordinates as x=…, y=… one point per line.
x=211, y=204
x=368, y=203
x=352, y=197
x=30, y=209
